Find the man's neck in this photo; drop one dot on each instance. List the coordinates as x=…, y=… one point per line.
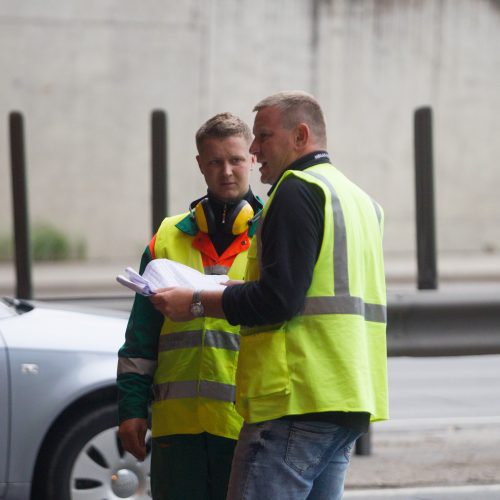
x=247, y=196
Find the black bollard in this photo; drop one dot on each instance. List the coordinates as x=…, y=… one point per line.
x=159, y=168
x=22, y=243
x=424, y=197
x=363, y=444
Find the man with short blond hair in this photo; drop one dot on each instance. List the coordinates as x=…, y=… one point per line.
x=189, y=367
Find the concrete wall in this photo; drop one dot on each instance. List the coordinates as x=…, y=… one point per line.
x=87, y=74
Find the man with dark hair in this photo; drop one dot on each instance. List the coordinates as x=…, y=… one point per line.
x=312, y=366
x=190, y=367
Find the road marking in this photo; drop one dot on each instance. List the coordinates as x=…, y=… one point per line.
x=479, y=492
x=430, y=423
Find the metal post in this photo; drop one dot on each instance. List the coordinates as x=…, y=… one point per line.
x=159, y=167
x=363, y=444
x=424, y=190
x=20, y=206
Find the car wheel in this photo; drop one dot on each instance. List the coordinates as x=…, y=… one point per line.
x=89, y=462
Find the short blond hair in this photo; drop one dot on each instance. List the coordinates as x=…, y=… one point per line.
x=296, y=107
x=222, y=126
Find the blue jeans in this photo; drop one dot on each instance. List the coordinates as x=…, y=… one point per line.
x=291, y=460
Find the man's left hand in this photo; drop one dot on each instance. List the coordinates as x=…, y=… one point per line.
x=174, y=302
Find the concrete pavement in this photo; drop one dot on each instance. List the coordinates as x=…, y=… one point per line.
x=429, y=460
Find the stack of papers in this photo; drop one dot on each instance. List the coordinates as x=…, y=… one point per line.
x=163, y=273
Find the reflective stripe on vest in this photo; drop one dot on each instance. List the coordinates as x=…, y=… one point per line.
x=342, y=302
x=194, y=338
x=217, y=269
x=195, y=388
x=139, y=366
x=378, y=212
x=345, y=305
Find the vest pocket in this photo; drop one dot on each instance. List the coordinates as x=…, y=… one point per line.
x=262, y=365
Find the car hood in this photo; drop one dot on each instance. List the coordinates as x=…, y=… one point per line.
x=51, y=328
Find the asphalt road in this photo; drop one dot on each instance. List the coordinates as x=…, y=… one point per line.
x=430, y=388
x=443, y=439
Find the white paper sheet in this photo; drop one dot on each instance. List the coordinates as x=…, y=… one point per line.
x=163, y=273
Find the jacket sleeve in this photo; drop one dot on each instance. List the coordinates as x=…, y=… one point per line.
x=137, y=358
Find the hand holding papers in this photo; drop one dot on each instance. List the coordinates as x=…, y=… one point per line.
x=136, y=282
x=163, y=273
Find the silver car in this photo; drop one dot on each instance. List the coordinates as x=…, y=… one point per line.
x=58, y=417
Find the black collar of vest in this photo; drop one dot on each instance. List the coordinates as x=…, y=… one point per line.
x=304, y=162
x=218, y=205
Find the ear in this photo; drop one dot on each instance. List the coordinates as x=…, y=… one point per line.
x=301, y=135
x=253, y=161
x=200, y=165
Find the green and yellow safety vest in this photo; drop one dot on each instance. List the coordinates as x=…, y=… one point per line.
x=332, y=356
x=194, y=381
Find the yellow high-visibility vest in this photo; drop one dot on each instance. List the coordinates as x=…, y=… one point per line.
x=194, y=382
x=332, y=356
